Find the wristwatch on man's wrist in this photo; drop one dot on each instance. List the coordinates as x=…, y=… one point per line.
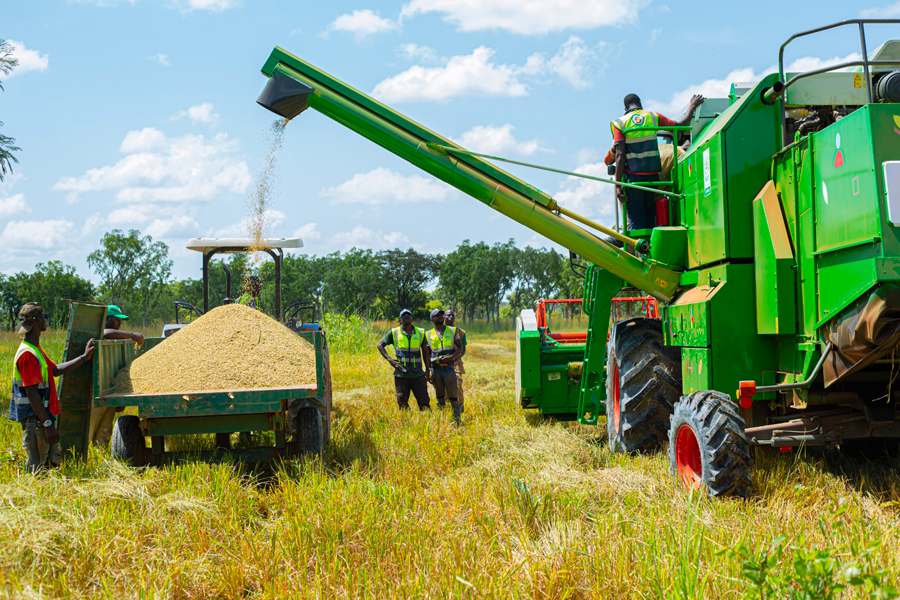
x=48, y=423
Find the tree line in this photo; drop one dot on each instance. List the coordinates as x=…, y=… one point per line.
x=479, y=280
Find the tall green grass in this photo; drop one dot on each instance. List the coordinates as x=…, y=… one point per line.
x=406, y=505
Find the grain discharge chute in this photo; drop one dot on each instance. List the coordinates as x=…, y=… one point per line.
x=778, y=282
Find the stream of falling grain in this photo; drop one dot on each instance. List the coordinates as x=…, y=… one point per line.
x=259, y=203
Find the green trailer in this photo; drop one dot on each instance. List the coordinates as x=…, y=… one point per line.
x=778, y=280
x=298, y=417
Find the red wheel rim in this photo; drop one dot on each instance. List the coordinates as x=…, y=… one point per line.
x=617, y=397
x=687, y=458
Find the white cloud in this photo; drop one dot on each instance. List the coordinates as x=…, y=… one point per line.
x=365, y=238
x=362, y=23
x=29, y=60
x=720, y=88
x=417, y=52
x=477, y=74
x=127, y=217
x=592, y=199
x=200, y=113
x=13, y=205
x=29, y=237
x=310, y=231
x=498, y=140
x=174, y=226
x=470, y=75
x=157, y=168
x=571, y=62
x=529, y=16
x=186, y=6
x=383, y=186
x=271, y=218
x=160, y=58
x=890, y=11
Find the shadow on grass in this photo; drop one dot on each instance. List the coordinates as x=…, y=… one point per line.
x=352, y=448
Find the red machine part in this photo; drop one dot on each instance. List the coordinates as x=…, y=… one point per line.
x=541, y=314
x=662, y=211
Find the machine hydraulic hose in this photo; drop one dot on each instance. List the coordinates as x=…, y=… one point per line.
x=295, y=85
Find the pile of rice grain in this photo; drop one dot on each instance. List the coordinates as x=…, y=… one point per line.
x=231, y=347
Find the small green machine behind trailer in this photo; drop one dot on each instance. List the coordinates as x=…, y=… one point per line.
x=300, y=416
x=778, y=279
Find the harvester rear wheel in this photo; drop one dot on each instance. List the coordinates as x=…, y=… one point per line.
x=310, y=432
x=642, y=385
x=707, y=446
x=128, y=440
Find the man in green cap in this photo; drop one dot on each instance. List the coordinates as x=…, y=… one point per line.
x=102, y=418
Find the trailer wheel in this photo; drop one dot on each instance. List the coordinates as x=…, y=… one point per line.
x=643, y=383
x=708, y=448
x=128, y=440
x=310, y=432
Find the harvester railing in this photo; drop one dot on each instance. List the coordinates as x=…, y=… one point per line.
x=778, y=90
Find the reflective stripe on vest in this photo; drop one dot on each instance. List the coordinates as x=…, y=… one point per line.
x=442, y=345
x=409, y=347
x=18, y=389
x=641, y=147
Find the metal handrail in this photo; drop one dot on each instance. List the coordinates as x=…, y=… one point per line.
x=865, y=62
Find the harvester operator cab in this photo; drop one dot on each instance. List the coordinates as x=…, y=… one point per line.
x=293, y=316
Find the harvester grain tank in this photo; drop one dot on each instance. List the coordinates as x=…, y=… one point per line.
x=778, y=281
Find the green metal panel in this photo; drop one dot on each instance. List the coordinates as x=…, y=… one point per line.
x=687, y=318
x=843, y=276
x=602, y=286
x=213, y=424
x=696, y=369
x=776, y=289
x=668, y=245
x=85, y=323
x=208, y=403
x=847, y=206
x=528, y=366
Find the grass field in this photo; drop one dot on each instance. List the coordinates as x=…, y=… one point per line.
x=407, y=505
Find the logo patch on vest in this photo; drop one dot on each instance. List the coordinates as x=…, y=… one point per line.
x=637, y=119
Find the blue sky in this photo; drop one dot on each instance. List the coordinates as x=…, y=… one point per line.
x=141, y=113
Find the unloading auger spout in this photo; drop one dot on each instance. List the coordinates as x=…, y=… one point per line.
x=294, y=85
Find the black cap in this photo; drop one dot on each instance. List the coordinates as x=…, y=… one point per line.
x=405, y=311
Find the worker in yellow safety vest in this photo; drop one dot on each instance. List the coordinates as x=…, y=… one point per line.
x=412, y=365
x=637, y=156
x=34, y=403
x=450, y=320
x=446, y=347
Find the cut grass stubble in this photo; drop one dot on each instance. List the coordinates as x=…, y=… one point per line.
x=407, y=505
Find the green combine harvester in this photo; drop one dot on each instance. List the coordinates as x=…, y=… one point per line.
x=778, y=282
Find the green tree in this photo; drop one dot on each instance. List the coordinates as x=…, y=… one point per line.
x=537, y=274
x=50, y=285
x=133, y=270
x=7, y=144
x=457, y=280
x=407, y=274
x=353, y=282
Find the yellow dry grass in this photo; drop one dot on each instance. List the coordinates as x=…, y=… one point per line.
x=232, y=347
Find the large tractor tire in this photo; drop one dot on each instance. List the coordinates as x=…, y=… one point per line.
x=310, y=432
x=708, y=448
x=643, y=383
x=128, y=440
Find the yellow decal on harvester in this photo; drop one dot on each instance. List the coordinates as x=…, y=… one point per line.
x=857, y=80
x=897, y=124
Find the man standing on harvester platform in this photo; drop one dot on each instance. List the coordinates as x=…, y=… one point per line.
x=34, y=403
x=102, y=418
x=446, y=347
x=450, y=319
x=638, y=159
x=411, y=365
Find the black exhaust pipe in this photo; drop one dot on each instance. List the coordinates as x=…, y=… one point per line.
x=285, y=96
